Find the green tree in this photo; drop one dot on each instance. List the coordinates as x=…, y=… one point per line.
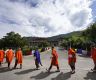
x=14, y=40
x=90, y=33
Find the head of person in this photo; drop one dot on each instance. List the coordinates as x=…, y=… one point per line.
x=52, y=47
x=19, y=48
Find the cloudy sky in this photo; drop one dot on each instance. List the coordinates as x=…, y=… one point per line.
x=45, y=18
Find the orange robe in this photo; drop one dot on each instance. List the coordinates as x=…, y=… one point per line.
x=1, y=55
x=93, y=54
x=54, y=60
x=9, y=55
x=71, y=59
x=19, y=56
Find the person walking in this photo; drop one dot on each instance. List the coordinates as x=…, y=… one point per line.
x=37, y=59
x=54, y=60
x=9, y=57
x=19, y=58
x=72, y=59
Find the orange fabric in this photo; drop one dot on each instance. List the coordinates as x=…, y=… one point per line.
x=9, y=55
x=93, y=54
x=19, y=56
x=1, y=55
x=71, y=59
x=54, y=60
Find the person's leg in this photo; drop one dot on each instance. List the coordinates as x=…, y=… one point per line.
x=73, y=68
x=15, y=63
x=8, y=64
x=72, y=65
x=20, y=66
x=0, y=64
x=94, y=65
x=94, y=69
x=50, y=68
x=37, y=65
x=58, y=68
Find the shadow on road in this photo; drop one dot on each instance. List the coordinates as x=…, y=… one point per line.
x=42, y=75
x=25, y=71
x=90, y=76
x=62, y=76
x=5, y=69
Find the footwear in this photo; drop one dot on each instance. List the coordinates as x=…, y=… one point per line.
x=58, y=71
x=73, y=72
x=37, y=68
x=47, y=70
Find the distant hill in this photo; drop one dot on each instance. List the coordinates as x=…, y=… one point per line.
x=75, y=33
x=57, y=37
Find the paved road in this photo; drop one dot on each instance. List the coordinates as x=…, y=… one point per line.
x=28, y=72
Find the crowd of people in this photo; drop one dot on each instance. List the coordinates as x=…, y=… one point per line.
x=37, y=59
x=9, y=57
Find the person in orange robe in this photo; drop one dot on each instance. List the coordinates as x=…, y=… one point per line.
x=19, y=58
x=72, y=59
x=1, y=56
x=93, y=56
x=54, y=61
x=9, y=57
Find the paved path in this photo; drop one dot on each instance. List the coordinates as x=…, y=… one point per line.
x=28, y=72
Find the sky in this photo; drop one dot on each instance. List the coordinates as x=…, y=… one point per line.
x=45, y=18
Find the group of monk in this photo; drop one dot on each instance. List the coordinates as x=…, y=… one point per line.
x=10, y=56
x=71, y=60
x=37, y=59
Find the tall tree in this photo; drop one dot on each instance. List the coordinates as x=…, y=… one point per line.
x=90, y=33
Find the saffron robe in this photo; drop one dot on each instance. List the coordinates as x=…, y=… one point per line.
x=19, y=56
x=1, y=55
x=9, y=55
x=54, y=60
x=71, y=53
x=93, y=54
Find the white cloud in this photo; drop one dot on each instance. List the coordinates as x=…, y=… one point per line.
x=44, y=17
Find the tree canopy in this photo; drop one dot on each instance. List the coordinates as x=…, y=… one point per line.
x=12, y=39
x=85, y=40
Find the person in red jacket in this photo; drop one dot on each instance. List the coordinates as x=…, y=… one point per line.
x=93, y=56
x=1, y=56
x=72, y=59
x=54, y=60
